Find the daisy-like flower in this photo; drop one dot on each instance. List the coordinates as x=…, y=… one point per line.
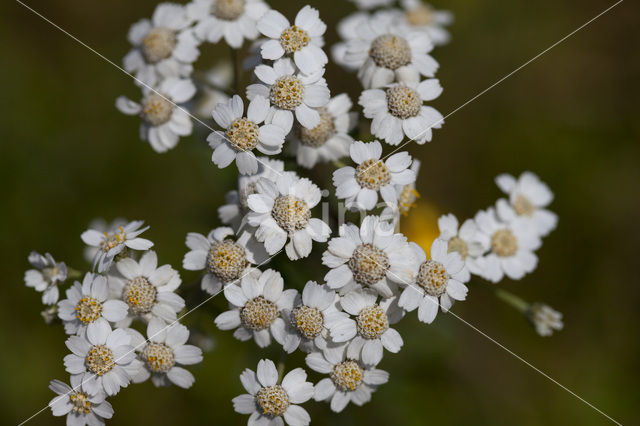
x=100, y=358
x=398, y=110
x=235, y=20
x=164, y=120
x=528, y=199
x=242, y=134
x=423, y=17
x=303, y=39
x=273, y=403
x=290, y=91
x=162, y=353
x=102, y=226
x=372, y=256
x=148, y=290
x=163, y=46
x=86, y=305
x=359, y=186
x=438, y=283
x=281, y=211
x=385, y=52
x=329, y=140
x=236, y=206
x=79, y=405
x=256, y=306
x=225, y=261
x=512, y=247
x=349, y=380
x=466, y=240
x=544, y=319
x=46, y=276
x=370, y=329
x=112, y=244
x=313, y=319
x=407, y=198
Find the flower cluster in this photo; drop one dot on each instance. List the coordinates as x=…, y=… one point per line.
x=346, y=321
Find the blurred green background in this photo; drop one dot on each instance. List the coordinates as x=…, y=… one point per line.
x=571, y=116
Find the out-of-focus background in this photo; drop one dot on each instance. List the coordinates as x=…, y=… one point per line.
x=571, y=116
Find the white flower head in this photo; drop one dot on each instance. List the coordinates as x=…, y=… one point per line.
x=163, y=118
x=438, y=283
x=273, y=403
x=162, y=47
x=281, y=211
x=385, y=53
x=398, y=110
x=46, y=276
x=236, y=206
x=290, y=91
x=100, y=358
x=370, y=327
x=314, y=320
x=544, y=319
x=528, y=199
x=303, y=39
x=147, y=289
x=512, y=247
x=235, y=20
x=162, y=353
x=422, y=16
x=329, y=140
x=256, y=306
x=466, y=240
x=79, y=405
x=372, y=256
x=407, y=198
x=112, y=244
x=224, y=260
x=242, y=134
x=87, y=304
x=349, y=380
x=102, y=226
x=359, y=186
x=347, y=29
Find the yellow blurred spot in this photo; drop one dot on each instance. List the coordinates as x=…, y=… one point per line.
x=421, y=225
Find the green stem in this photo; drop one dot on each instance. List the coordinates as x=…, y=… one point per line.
x=73, y=274
x=511, y=299
x=281, y=366
x=338, y=164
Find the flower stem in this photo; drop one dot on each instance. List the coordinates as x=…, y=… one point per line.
x=338, y=164
x=511, y=299
x=73, y=274
x=281, y=366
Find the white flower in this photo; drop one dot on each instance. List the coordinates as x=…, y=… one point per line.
x=512, y=247
x=370, y=328
x=303, y=39
x=79, y=405
x=466, y=240
x=329, y=140
x=407, y=198
x=147, y=289
x=398, y=110
x=422, y=16
x=372, y=256
x=235, y=20
x=372, y=4
x=100, y=358
x=161, y=353
x=349, y=380
x=46, y=277
x=211, y=90
x=347, y=29
x=385, y=53
x=438, y=283
x=312, y=320
x=164, y=120
x=162, y=47
x=359, y=186
x=236, y=206
x=102, y=226
x=270, y=403
x=242, y=134
x=86, y=305
x=225, y=261
x=544, y=319
x=256, y=305
x=282, y=210
x=111, y=244
x=528, y=197
x=290, y=91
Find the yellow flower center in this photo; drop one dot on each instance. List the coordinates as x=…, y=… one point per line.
x=88, y=309
x=320, y=134
x=273, y=400
x=158, y=356
x=368, y=264
x=373, y=174
x=158, y=44
x=308, y=321
x=228, y=10
x=227, y=260
x=140, y=295
x=458, y=245
x=287, y=92
x=403, y=102
x=100, y=360
x=259, y=313
x=372, y=322
x=243, y=134
x=290, y=213
x=80, y=402
x=156, y=110
x=504, y=243
x=294, y=38
x=347, y=375
x=390, y=51
x=433, y=277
